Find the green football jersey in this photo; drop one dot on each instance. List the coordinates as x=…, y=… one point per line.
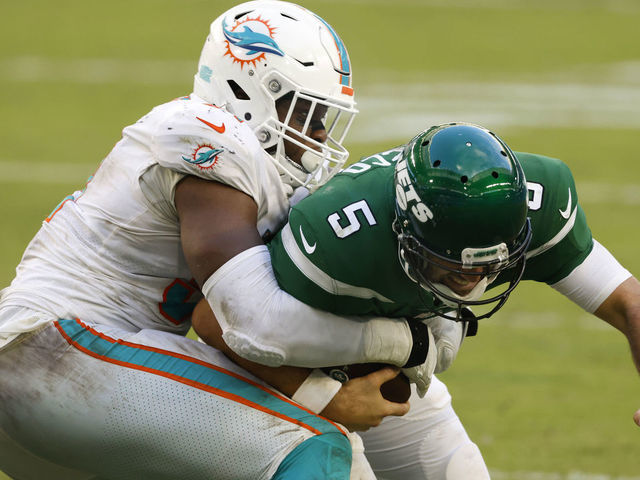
x=339, y=253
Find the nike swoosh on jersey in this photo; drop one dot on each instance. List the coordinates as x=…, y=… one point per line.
x=567, y=212
x=307, y=248
x=219, y=129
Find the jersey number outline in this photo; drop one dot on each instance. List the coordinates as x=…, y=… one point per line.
x=354, y=223
x=535, y=198
x=178, y=301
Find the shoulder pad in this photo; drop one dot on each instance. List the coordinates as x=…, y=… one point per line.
x=201, y=139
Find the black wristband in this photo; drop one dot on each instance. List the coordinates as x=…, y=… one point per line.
x=420, y=348
x=472, y=322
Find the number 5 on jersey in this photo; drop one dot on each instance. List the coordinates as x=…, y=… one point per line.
x=350, y=212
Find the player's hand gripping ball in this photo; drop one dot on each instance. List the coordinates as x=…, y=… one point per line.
x=395, y=390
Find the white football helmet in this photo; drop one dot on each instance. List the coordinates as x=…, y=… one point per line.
x=258, y=52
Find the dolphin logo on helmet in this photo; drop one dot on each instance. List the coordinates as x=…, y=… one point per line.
x=253, y=42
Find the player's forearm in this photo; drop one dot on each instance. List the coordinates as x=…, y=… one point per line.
x=286, y=379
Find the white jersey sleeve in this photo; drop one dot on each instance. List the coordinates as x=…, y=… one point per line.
x=591, y=282
x=203, y=140
x=191, y=137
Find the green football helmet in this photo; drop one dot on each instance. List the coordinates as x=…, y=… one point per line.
x=461, y=215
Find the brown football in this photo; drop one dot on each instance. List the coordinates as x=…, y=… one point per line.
x=395, y=390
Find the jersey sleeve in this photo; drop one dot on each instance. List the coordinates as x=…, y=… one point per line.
x=593, y=280
x=561, y=238
x=194, y=138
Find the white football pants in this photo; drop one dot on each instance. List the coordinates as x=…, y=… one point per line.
x=428, y=443
x=83, y=402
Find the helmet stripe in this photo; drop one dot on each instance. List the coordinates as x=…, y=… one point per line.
x=345, y=65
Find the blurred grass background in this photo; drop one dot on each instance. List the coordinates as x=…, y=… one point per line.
x=545, y=390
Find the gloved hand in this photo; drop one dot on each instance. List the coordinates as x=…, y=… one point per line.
x=421, y=374
x=448, y=335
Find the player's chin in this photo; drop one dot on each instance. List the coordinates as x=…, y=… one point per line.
x=461, y=289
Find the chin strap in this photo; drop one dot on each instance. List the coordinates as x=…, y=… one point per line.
x=472, y=296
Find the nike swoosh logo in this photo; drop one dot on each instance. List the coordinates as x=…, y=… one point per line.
x=307, y=248
x=567, y=212
x=219, y=129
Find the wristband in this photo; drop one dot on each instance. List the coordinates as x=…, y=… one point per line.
x=420, y=347
x=316, y=391
x=470, y=321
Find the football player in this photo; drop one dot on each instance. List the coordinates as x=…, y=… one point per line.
x=425, y=231
x=96, y=377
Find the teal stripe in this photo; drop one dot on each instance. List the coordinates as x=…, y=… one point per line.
x=342, y=51
x=190, y=371
x=325, y=457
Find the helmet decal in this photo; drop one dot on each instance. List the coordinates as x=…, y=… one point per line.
x=406, y=193
x=204, y=156
x=345, y=65
x=249, y=40
x=205, y=73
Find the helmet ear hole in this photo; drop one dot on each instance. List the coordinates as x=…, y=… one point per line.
x=464, y=179
x=237, y=90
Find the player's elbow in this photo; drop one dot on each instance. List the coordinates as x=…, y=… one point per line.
x=245, y=327
x=245, y=332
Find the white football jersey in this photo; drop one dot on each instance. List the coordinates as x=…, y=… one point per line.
x=111, y=254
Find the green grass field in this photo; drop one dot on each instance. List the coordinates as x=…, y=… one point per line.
x=545, y=390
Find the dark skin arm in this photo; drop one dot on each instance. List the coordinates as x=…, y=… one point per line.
x=216, y=223
x=621, y=309
x=358, y=405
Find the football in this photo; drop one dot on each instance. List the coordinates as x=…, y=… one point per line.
x=396, y=390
